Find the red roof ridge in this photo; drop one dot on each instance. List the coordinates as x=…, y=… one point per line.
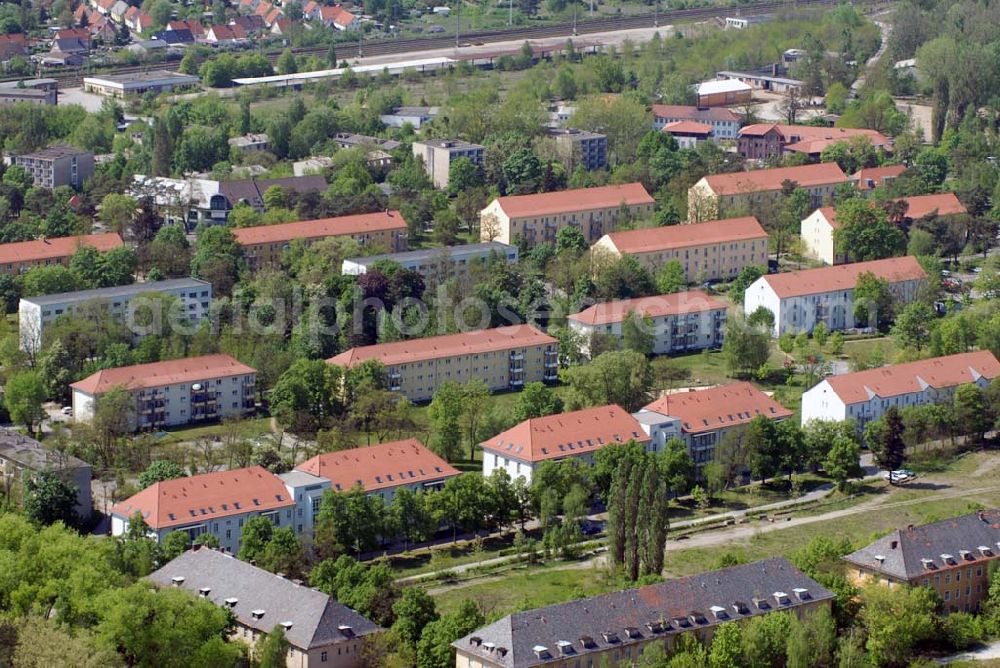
x=380, y=466
x=154, y=374
x=843, y=276
x=690, y=301
x=647, y=240
x=322, y=227
x=708, y=409
x=756, y=180
x=580, y=199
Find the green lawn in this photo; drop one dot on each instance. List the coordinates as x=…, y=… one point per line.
x=251, y=427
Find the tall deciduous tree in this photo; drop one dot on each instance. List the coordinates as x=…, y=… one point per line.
x=48, y=498
x=24, y=394
x=885, y=437
x=637, y=515
x=617, y=377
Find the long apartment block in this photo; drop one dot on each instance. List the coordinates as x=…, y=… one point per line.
x=21, y=256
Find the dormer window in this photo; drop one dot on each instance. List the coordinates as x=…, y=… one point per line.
x=928, y=564
x=587, y=642
x=697, y=618
x=541, y=651
x=741, y=608
x=782, y=598
x=631, y=632
x=287, y=625
x=801, y=594
x=610, y=636
x=719, y=612
x=948, y=559
x=681, y=622
x=761, y=604
x=655, y=627
x=565, y=647
x=177, y=580
x=346, y=630
x=231, y=602
x=204, y=591
x=965, y=555
x=985, y=551
x=257, y=614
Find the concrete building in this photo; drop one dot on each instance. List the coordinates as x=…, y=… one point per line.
x=717, y=249
x=864, y=396
x=800, y=300
x=193, y=296
x=58, y=166
x=176, y=392
x=505, y=358
x=139, y=83
x=437, y=265
x=715, y=194
x=725, y=123
x=818, y=230
x=381, y=469
x=21, y=256
x=723, y=92
x=580, y=147
x=188, y=202
x=32, y=91
x=614, y=629
x=953, y=557
x=764, y=141
x=744, y=22
x=251, y=191
x=774, y=79
x=680, y=322
x=688, y=134
x=251, y=142
x=576, y=434
x=415, y=116
x=21, y=455
x=264, y=244
x=320, y=631
x=439, y=154
x=217, y=503
x=702, y=418
x=536, y=219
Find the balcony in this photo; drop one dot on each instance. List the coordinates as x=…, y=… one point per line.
x=516, y=357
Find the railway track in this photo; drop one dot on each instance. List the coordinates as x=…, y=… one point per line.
x=381, y=47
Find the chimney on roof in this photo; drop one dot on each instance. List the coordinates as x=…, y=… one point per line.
x=177, y=580
x=894, y=544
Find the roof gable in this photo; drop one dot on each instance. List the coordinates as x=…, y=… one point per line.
x=382, y=466
x=719, y=407
x=763, y=180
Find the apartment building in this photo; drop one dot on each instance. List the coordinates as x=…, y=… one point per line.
x=439, y=154
x=320, y=631
x=437, y=265
x=763, y=141
x=576, y=434
x=381, y=469
x=505, y=358
x=679, y=323
x=702, y=418
x=175, y=392
x=21, y=256
x=716, y=249
x=193, y=296
x=538, y=218
x=817, y=230
x=725, y=123
x=217, y=503
x=614, y=629
x=800, y=300
x=864, y=396
x=21, y=455
x=717, y=193
x=263, y=245
x=580, y=148
x=953, y=557
x=58, y=166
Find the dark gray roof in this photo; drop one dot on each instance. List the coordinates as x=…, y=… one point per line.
x=56, y=152
x=916, y=551
x=558, y=632
x=252, y=190
x=316, y=619
x=30, y=454
x=118, y=291
x=349, y=139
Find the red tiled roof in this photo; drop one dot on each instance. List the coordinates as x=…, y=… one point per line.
x=843, y=276
x=567, y=434
x=937, y=372
x=692, y=301
x=380, y=466
x=317, y=229
x=795, y=134
x=718, y=407
x=69, y=33
x=688, y=127
x=653, y=239
x=206, y=497
x=48, y=249
x=222, y=32
x=567, y=201
x=944, y=204
x=694, y=113
x=310, y=7
x=131, y=12
x=762, y=180
x=155, y=374
x=263, y=9
x=830, y=214
x=876, y=174
x=447, y=345
x=272, y=16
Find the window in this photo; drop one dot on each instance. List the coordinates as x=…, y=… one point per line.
x=322, y=657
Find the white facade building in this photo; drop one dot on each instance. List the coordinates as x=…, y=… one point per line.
x=800, y=300
x=447, y=262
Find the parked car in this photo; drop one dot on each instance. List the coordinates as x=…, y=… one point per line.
x=899, y=476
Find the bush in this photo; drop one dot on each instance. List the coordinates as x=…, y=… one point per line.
x=962, y=630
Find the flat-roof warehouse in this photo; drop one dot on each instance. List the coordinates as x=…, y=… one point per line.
x=139, y=83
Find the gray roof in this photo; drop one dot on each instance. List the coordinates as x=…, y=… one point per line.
x=118, y=291
x=349, y=139
x=448, y=143
x=297, y=478
x=917, y=551
x=252, y=190
x=316, y=619
x=558, y=632
x=429, y=253
x=56, y=152
x=162, y=77
x=30, y=454
x=573, y=132
x=414, y=111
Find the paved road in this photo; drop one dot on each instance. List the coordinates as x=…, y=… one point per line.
x=886, y=30
x=988, y=652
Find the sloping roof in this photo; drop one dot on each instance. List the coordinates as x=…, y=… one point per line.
x=688, y=127
x=621, y=619
x=937, y=372
x=876, y=175
x=47, y=249
x=654, y=239
x=944, y=204
x=692, y=301
x=567, y=434
x=155, y=374
x=222, y=32
x=685, y=112
x=252, y=190
x=568, y=201
x=316, y=620
x=380, y=466
x=802, y=135
x=957, y=542
x=209, y=496
x=447, y=345
x=718, y=407
x=760, y=180
x=843, y=276
x=324, y=227
x=119, y=291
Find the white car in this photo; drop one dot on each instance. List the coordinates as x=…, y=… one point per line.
x=899, y=476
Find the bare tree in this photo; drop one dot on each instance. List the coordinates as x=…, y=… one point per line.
x=791, y=104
